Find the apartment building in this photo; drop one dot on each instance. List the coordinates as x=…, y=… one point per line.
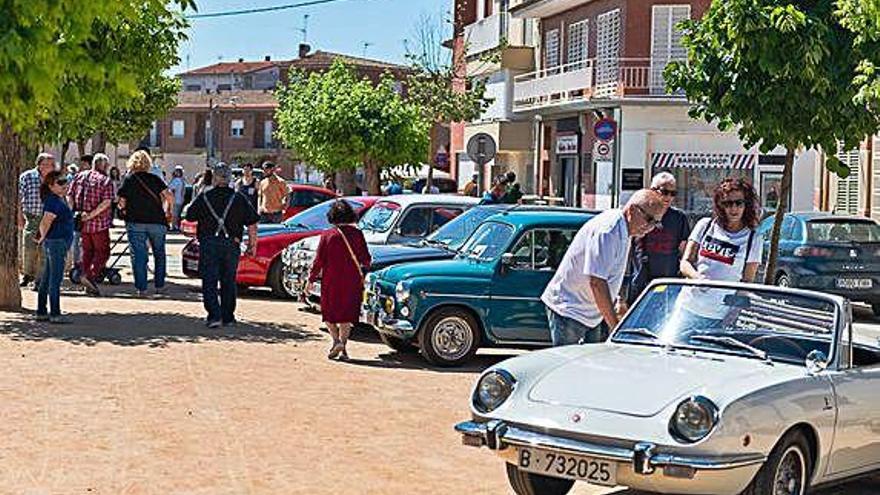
x=591, y=120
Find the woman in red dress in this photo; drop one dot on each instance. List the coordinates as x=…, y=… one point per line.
x=340, y=262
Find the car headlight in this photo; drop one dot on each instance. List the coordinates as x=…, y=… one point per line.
x=693, y=419
x=401, y=291
x=492, y=390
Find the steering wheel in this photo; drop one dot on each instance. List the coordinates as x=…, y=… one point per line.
x=787, y=341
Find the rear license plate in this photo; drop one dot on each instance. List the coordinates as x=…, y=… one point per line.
x=573, y=467
x=192, y=265
x=855, y=283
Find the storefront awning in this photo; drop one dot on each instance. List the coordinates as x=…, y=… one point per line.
x=703, y=160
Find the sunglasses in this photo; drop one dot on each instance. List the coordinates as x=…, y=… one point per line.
x=665, y=192
x=739, y=203
x=653, y=222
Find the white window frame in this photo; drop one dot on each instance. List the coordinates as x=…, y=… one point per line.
x=178, y=128
x=671, y=49
x=236, y=128
x=577, y=44
x=551, y=58
x=608, y=34
x=268, y=131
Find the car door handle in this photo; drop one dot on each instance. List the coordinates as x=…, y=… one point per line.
x=829, y=406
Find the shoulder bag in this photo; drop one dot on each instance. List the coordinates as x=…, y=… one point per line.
x=354, y=259
x=154, y=196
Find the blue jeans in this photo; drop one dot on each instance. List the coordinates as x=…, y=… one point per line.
x=218, y=262
x=54, y=254
x=138, y=235
x=568, y=331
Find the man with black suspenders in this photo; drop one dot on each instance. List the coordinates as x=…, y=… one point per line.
x=222, y=215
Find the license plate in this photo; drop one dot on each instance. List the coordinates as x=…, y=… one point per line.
x=573, y=467
x=855, y=283
x=192, y=265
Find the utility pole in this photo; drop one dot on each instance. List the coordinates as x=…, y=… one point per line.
x=367, y=44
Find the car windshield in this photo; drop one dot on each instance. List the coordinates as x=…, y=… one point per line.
x=315, y=218
x=768, y=325
x=381, y=216
x=488, y=241
x=456, y=231
x=843, y=230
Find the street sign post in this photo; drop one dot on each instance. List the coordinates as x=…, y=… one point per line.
x=481, y=148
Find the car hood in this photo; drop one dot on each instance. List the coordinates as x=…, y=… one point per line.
x=384, y=255
x=457, y=267
x=642, y=381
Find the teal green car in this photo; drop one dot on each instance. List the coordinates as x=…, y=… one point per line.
x=489, y=295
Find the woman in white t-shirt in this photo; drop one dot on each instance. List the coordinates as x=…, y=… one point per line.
x=725, y=247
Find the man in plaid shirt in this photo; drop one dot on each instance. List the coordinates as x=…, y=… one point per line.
x=92, y=194
x=30, y=212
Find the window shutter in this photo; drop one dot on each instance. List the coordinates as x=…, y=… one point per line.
x=608, y=51
x=848, y=189
x=577, y=43
x=666, y=44
x=551, y=49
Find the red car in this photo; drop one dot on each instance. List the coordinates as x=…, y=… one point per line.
x=265, y=269
x=302, y=197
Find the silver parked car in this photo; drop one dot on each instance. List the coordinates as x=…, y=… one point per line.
x=703, y=388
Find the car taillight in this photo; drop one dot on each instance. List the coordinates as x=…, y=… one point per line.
x=817, y=252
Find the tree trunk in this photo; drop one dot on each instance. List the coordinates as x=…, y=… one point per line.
x=371, y=178
x=64, y=149
x=781, y=209
x=10, y=166
x=99, y=143
x=346, y=183
x=81, y=149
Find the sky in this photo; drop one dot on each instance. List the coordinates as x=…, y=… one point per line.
x=343, y=26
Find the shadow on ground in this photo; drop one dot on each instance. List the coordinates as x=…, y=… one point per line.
x=412, y=360
x=149, y=329
x=173, y=291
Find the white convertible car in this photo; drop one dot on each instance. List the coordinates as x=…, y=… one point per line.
x=704, y=388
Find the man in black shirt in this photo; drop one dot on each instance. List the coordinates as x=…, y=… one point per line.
x=222, y=215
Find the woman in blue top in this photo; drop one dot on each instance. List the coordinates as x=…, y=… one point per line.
x=55, y=235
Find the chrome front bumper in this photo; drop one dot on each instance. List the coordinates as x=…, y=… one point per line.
x=646, y=466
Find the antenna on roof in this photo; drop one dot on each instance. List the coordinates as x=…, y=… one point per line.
x=367, y=44
x=305, y=29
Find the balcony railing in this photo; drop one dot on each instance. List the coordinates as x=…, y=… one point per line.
x=591, y=80
x=484, y=34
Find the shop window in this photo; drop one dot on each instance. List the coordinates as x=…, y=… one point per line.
x=696, y=186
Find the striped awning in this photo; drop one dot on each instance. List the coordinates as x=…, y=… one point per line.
x=703, y=160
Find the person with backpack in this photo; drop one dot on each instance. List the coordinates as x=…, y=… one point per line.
x=340, y=262
x=222, y=215
x=725, y=247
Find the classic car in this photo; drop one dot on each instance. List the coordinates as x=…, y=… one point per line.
x=488, y=295
x=704, y=388
x=830, y=253
x=264, y=269
x=302, y=197
x=409, y=218
x=440, y=245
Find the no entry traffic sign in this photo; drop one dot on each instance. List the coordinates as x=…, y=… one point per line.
x=605, y=129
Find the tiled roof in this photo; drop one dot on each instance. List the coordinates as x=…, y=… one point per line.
x=325, y=59
x=246, y=99
x=230, y=67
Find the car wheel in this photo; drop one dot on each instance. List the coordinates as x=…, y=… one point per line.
x=525, y=483
x=397, y=344
x=783, y=280
x=449, y=337
x=291, y=288
x=276, y=280
x=787, y=470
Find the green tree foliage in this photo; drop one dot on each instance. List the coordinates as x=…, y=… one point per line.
x=337, y=122
x=783, y=73
x=65, y=61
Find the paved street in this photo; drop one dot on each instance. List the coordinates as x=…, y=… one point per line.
x=138, y=397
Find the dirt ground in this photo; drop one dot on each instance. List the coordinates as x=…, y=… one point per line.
x=139, y=397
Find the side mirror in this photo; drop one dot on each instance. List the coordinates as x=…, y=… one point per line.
x=507, y=260
x=816, y=362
